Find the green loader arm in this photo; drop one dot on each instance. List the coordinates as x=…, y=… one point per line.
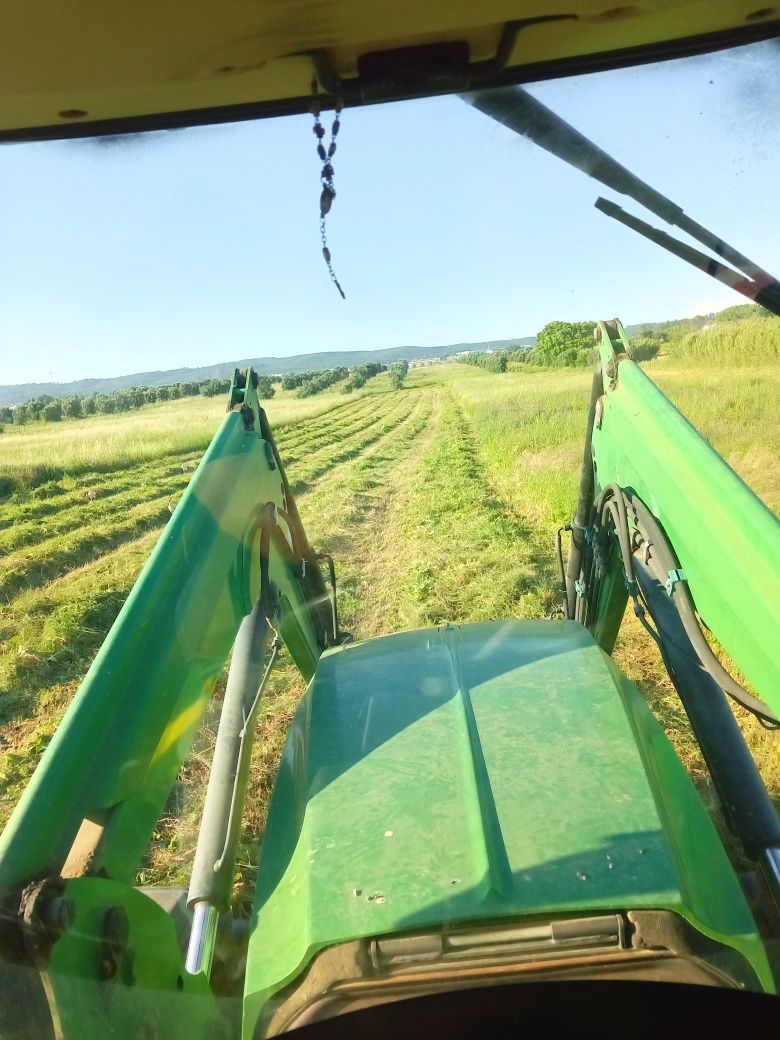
x=662, y=519
x=70, y=852
x=725, y=539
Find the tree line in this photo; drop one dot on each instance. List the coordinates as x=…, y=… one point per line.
x=46, y=408
x=361, y=374
x=50, y=409
x=307, y=384
x=743, y=332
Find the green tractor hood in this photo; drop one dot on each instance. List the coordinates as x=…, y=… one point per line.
x=494, y=771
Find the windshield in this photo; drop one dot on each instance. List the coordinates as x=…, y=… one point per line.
x=431, y=429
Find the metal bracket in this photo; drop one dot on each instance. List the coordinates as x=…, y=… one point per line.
x=580, y=588
x=672, y=578
x=45, y=914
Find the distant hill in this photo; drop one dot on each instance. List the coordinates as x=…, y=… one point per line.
x=15, y=394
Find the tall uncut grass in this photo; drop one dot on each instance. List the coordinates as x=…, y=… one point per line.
x=749, y=341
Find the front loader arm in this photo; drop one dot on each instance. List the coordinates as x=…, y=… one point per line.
x=664, y=520
x=112, y=762
x=85, y=820
x=726, y=540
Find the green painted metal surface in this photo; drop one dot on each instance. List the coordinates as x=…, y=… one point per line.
x=492, y=771
x=116, y=754
x=611, y=605
x=147, y=993
x=726, y=539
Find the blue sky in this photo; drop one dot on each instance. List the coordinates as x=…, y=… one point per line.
x=201, y=246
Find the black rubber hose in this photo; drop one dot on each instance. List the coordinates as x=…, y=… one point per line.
x=745, y=800
x=267, y=523
x=662, y=561
x=584, y=502
x=333, y=602
x=615, y=506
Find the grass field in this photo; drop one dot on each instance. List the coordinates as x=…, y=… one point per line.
x=439, y=502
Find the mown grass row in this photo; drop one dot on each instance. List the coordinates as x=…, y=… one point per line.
x=55, y=505
x=341, y=450
x=48, y=637
x=65, y=590
x=349, y=515
x=466, y=555
x=87, y=531
x=46, y=453
x=52, y=508
x=61, y=499
x=84, y=528
x=88, y=520
x=341, y=418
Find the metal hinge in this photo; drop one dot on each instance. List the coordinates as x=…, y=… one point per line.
x=672, y=578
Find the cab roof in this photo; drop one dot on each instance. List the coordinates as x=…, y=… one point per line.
x=88, y=67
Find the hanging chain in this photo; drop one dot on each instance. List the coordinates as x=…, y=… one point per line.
x=328, y=193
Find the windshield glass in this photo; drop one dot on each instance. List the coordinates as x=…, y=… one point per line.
x=454, y=802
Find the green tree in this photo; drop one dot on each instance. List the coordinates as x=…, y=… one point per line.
x=360, y=375
x=398, y=373
x=71, y=407
x=52, y=412
x=105, y=404
x=292, y=380
x=6, y=415
x=37, y=405
x=213, y=387
x=265, y=387
x=565, y=343
x=495, y=361
x=22, y=414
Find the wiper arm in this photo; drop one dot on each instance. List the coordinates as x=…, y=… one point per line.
x=525, y=115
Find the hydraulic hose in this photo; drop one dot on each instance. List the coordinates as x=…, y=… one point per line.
x=584, y=501
x=662, y=561
x=748, y=807
x=611, y=502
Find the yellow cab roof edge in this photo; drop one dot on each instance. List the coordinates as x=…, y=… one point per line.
x=354, y=95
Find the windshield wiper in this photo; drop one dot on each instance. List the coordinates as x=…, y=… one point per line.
x=525, y=115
